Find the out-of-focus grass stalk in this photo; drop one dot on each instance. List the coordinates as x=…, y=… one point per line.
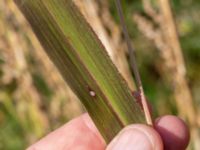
x=83, y=63
x=182, y=92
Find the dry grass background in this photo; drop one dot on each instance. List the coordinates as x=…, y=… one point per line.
x=34, y=99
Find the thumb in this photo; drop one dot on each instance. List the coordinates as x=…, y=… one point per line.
x=136, y=137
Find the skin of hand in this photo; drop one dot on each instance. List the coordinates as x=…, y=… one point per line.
x=169, y=133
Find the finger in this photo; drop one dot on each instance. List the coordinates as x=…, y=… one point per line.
x=173, y=131
x=137, y=137
x=80, y=133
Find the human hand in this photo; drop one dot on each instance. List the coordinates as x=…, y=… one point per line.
x=169, y=132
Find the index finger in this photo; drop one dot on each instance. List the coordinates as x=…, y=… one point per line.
x=79, y=133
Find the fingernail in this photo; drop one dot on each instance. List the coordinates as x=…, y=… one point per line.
x=132, y=138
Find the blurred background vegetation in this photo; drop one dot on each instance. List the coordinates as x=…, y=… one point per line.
x=34, y=99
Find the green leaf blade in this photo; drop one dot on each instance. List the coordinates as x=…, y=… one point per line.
x=83, y=62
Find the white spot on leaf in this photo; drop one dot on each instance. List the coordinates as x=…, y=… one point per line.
x=92, y=93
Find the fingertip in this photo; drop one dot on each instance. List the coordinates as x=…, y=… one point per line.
x=173, y=131
x=136, y=137
x=79, y=133
x=91, y=126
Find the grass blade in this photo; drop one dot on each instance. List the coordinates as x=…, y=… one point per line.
x=83, y=62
